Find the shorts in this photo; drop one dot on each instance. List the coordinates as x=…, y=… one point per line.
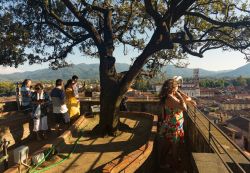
x=61, y=117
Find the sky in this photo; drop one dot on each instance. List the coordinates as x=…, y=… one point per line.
x=214, y=60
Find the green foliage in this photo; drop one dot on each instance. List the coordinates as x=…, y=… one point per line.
x=248, y=81
x=221, y=83
x=213, y=83
x=142, y=84
x=240, y=81
x=7, y=87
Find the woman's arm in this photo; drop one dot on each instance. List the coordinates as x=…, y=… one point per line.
x=178, y=101
x=187, y=98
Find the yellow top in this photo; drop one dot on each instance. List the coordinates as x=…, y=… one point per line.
x=72, y=103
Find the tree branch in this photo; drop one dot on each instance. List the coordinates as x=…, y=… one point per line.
x=215, y=22
x=124, y=27
x=86, y=24
x=93, y=7
x=181, y=7
x=236, y=47
x=150, y=10
x=60, y=29
x=203, y=50
x=51, y=13
x=189, y=34
x=185, y=49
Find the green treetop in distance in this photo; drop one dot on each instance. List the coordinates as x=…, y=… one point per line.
x=162, y=30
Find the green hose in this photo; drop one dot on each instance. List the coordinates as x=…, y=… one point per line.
x=39, y=163
x=57, y=163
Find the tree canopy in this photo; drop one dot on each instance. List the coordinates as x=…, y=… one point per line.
x=52, y=28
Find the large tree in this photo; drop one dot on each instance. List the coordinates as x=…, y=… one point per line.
x=160, y=29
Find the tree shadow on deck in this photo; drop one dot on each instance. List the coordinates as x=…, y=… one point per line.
x=99, y=151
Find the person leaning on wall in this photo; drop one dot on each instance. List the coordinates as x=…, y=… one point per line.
x=187, y=99
x=171, y=133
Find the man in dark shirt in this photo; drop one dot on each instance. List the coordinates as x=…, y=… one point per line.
x=60, y=109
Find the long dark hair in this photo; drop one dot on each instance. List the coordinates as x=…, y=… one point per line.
x=166, y=89
x=38, y=86
x=25, y=82
x=69, y=82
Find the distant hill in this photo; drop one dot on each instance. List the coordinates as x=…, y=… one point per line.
x=187, y=72
x=243, y=71
x=91, y=71
x=84, y=71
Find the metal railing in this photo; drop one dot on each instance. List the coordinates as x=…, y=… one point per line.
x=219, y=142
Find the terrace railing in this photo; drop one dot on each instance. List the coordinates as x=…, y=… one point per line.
x=232, y=156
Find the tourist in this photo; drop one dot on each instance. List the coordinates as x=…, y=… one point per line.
x=72, y=101
x=123, y=105
x=26, y=95
x=75, y=86
x=40, y=100
x=171, y=129
x=60, y=109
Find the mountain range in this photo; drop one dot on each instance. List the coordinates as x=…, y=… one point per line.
x=91, y=71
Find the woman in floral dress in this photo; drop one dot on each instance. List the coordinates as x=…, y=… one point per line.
x=173, y=105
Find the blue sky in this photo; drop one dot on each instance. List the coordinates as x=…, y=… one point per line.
x=213, y=60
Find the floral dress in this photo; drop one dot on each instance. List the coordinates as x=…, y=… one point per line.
x=172, y=127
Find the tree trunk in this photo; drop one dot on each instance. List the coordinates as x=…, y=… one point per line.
x=109, y=118
x=110, y=98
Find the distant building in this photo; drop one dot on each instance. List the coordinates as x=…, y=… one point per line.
x=230, y=88
x=208, y=92
x=157, y=87
x=233, y=134
x=244, y=113
x=242, y=96
x=242, y=126
x=214, y=118
x=235, y=104
x=191, y=91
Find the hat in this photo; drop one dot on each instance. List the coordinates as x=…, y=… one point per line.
x=178, y=79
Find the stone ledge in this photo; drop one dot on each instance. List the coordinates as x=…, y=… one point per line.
x=208, y=163
x=132, y=161
x=12, y=125
x=66, y=135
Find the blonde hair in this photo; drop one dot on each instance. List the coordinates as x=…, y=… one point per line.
x=167, y=88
